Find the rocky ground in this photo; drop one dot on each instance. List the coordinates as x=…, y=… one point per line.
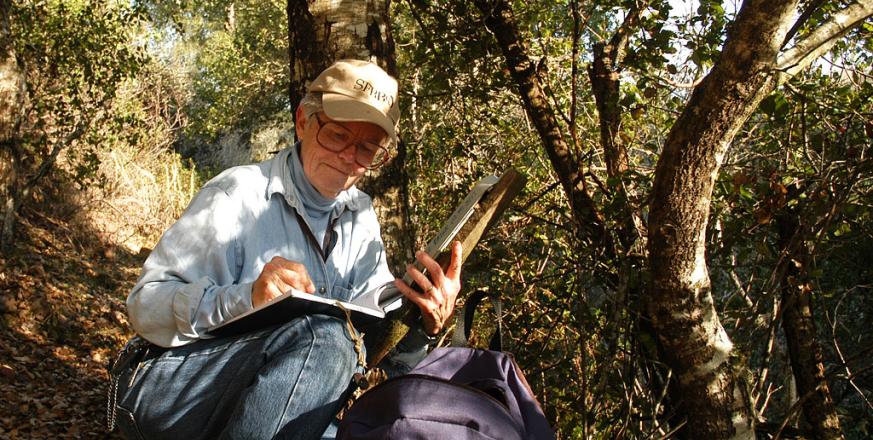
x=62, y=318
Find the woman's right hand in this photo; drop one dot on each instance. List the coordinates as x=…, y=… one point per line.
x=277, y=277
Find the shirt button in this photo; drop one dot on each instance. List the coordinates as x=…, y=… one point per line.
x=322, y=289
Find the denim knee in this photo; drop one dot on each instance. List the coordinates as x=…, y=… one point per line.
x=327, y=336
x=317, y=358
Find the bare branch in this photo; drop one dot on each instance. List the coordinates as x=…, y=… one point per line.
x=850, y=377
x=822, y=39
x=804, y=17
x=679, y=85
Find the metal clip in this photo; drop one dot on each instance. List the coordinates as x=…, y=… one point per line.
x=131, y=353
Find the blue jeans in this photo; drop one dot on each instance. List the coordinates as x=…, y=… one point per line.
x=284, y=382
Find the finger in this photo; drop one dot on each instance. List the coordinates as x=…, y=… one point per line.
x=430, y=312
x=412, y=295
x=454, y=269
x=295, y=280
x=272, y=292
x=265, y=293
x=293, y=274
x=436, y=287
x=419, y=278
x=433, y=268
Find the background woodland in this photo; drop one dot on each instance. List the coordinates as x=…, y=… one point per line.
x=691, y=256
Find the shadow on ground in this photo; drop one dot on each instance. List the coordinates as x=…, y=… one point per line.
x=62, y=318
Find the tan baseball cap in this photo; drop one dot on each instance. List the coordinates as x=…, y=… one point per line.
x=355, y=90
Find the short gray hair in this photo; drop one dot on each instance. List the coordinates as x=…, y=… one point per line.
x=311, y=104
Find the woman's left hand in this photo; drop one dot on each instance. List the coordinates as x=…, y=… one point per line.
x=437, y=298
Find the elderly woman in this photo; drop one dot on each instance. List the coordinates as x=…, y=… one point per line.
x=251, y=234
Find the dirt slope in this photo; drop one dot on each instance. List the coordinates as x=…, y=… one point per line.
x=62, y=318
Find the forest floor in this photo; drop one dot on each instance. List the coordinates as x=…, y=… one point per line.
x=62, y=319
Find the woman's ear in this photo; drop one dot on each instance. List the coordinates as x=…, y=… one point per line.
x=299, y=122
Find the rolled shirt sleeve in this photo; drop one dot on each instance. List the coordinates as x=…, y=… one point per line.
x=188, y=283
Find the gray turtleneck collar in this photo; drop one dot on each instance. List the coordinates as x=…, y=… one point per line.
x=319, y=209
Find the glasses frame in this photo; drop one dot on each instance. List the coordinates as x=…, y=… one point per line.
x=372, y=165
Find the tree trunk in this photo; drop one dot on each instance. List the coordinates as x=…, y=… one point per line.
x=604, y=82
x=707, y=393
x=322, y=31
x=605, y=76
x=12, y=96
x=799, y=326
x=307, y=55
x=708, y=396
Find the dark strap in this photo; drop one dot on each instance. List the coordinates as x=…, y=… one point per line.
x=330, y=236
x=464, y=320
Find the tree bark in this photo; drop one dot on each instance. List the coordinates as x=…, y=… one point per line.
x=605, y=73
x=799, y=326
x=12, y=95
x=707, y=394
x=322, y=31
x=604, y=77
x=307, y=56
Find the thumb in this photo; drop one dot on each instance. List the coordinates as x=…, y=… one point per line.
x=454, y=269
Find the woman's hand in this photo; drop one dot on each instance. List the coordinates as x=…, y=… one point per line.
x=437, y=298
x=279, y=276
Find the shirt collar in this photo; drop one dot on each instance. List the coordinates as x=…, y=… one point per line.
x=281, y=182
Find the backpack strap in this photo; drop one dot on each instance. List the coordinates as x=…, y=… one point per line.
x=464, y=320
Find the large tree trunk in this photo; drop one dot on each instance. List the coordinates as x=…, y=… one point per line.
x=322, y=31
x=12, y=95
x=708, y=398
x=694, y=344
x=707, y=395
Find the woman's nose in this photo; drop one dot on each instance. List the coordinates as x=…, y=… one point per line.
x=349, y=153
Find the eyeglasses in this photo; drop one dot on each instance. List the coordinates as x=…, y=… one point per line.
x=336, y=138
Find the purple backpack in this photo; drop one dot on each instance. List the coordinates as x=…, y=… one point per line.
x=454, y=393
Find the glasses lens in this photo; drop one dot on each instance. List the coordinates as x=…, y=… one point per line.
x=371, y=155
x=334, y=137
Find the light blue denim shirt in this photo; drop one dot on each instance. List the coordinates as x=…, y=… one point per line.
x=201, y=271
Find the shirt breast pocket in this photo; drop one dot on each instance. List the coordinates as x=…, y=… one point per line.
x=341, y=293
